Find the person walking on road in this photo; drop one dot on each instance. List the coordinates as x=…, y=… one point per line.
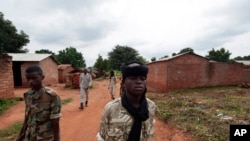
x=85, y=82
x=42, y=109
x=131, y=116
x=112, y=83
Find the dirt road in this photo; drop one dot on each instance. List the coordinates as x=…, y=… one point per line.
x=83, y=125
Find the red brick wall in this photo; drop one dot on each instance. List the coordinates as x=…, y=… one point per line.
x=157, y=77
x=75, y=80
x=246, y=74
x=62, y=74
x=190, y=71
x=6, y=77
x=225, y=74
x=186, y=71
x=50, y=70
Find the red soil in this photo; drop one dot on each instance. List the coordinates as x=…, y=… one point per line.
x=83, y=125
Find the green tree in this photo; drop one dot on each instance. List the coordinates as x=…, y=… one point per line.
x=101, y=64
x=220, y=55
x=242, y=58
x=105, y=64
x=166, y=56
x=142, y=59
x=44, y=51
x=153, y=59
x=122, y=54
x=71, y=56
x=10, y=40
x=187, y=49
x=184, y=50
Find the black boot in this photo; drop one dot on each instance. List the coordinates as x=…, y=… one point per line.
x=86, y=103
x=81, y=106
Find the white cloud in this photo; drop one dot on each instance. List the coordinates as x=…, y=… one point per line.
x=154, y=28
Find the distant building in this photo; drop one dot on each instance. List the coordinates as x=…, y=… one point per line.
x=63, y=71
x=21, y=61
x=245, y=62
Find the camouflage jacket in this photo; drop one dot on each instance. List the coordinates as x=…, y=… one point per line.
x=116, y=122
x=41, y=107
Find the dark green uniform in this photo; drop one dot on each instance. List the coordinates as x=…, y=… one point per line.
x=41, y=107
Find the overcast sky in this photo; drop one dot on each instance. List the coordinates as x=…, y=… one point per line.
x=154, y=28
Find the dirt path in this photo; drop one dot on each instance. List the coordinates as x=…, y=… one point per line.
x=78, y=125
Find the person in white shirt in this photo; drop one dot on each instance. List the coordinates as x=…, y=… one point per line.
x=85, y=82
x=112, y=83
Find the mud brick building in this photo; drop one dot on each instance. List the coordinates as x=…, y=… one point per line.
x=22, y=60
x=63, y=71
x=12, y=70
x=189, y=70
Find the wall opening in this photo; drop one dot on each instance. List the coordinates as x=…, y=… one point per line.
x=16, y=67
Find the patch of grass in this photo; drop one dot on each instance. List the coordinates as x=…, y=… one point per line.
x=67, y=100
x=6, y=104
x=10, y=133
x=206, y=113
x=100, y=78
x=69, y=87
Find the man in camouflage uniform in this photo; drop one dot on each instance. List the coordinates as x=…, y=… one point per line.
x=42, y=111
x=130, y=117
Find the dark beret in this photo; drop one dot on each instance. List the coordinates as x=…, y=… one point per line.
x=134, y=69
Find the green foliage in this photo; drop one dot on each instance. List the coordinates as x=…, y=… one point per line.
x=153, y=59
x=101, y=64
x=184, y=50
x=5, y=104
x=10, y=40
x=100, y=78
x=67, y=100
x=123, y=54
x=45, y=51
x=187, y=49
x=197, y=110
x=166, y=56
x=71, y=56
x=220, y=55
x=10, y=133
x=142, y=59
x=242, y=58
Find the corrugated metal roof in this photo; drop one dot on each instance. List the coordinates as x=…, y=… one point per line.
x=28, y=56
x=245, y=62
